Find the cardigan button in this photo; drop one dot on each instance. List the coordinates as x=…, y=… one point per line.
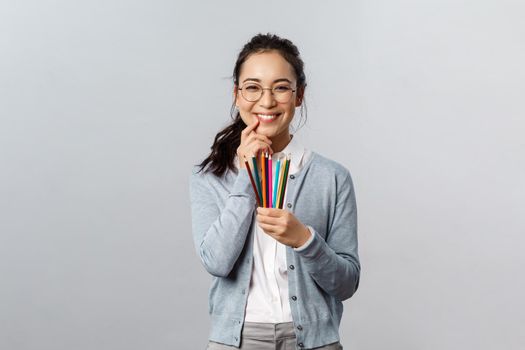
x=291, y=267
x=289, y=205
x=299, y=327
x=292, y=177
x=301, y=345
x=294, y=298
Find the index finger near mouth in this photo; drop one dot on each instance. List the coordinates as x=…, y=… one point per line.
x=250, y=127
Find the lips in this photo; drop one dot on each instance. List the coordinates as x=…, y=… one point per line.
x=267, y=118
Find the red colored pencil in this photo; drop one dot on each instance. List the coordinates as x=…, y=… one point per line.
x=270, y=187
x=257, y=177
x=253, y=182
x=263, y=169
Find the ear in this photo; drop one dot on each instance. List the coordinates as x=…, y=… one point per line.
x=299, y=97
x=235, y=93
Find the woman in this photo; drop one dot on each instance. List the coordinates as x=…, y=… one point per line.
x=280, y=275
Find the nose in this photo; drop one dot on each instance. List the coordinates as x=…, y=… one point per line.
x=267, y=99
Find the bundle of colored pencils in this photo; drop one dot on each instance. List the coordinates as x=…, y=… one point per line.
x=269, y=185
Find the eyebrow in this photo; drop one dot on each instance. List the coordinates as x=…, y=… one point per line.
x=275, y=81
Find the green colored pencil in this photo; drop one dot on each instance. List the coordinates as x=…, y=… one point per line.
x=285, y=180
x=257, y=179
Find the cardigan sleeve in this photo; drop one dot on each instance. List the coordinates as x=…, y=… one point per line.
x=334, y=263
x=219, y=232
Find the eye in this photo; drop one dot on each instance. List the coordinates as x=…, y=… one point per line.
x=252, y=88
x=282, y=88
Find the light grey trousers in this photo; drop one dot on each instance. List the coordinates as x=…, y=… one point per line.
x=268, y=336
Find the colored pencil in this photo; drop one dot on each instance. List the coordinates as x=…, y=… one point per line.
x=280, y=188
x=263, y=176
x=270, y=170
x=257, y=179
x=266, y=178
x=268, y=182
x=266, y=173
x=283, y=180
x=276, y=182
x=285, y=177
x=253, y=182
x=286, y=171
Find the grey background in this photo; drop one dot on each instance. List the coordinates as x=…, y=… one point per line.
x=105, y=106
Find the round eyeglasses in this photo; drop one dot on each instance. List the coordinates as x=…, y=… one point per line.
x=253, y=92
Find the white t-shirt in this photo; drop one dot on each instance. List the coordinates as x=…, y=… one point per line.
x=268, y=300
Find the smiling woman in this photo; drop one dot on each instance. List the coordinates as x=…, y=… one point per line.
x=279, y=275
x=274, y=105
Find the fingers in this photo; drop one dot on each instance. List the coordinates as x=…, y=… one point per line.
x=273, y=222
x=247, y=130
x=268, y=220
x=254, y=149
x=254, y=143
x=257, y=147
x=269, y=229
x=255, y=136
x=271, y=212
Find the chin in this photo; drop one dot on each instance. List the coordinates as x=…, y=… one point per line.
x=266, y=131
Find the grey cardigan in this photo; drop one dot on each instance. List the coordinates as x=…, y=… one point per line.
x=320, y=277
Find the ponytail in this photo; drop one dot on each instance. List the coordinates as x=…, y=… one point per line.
x=224, y=148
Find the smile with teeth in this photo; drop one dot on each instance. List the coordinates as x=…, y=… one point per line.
x=267, y=117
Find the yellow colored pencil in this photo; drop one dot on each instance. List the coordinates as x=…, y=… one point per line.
x=280, y=188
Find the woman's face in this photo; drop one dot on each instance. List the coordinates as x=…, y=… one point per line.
x=268, y=70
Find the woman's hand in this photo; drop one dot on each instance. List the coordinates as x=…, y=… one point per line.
x=252, y=143
x=283, y=226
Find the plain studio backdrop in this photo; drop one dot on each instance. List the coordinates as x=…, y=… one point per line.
x=106, y=105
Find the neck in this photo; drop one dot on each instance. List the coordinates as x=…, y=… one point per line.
x=279, y=142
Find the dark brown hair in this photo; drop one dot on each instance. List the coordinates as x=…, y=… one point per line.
x=224, y=148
